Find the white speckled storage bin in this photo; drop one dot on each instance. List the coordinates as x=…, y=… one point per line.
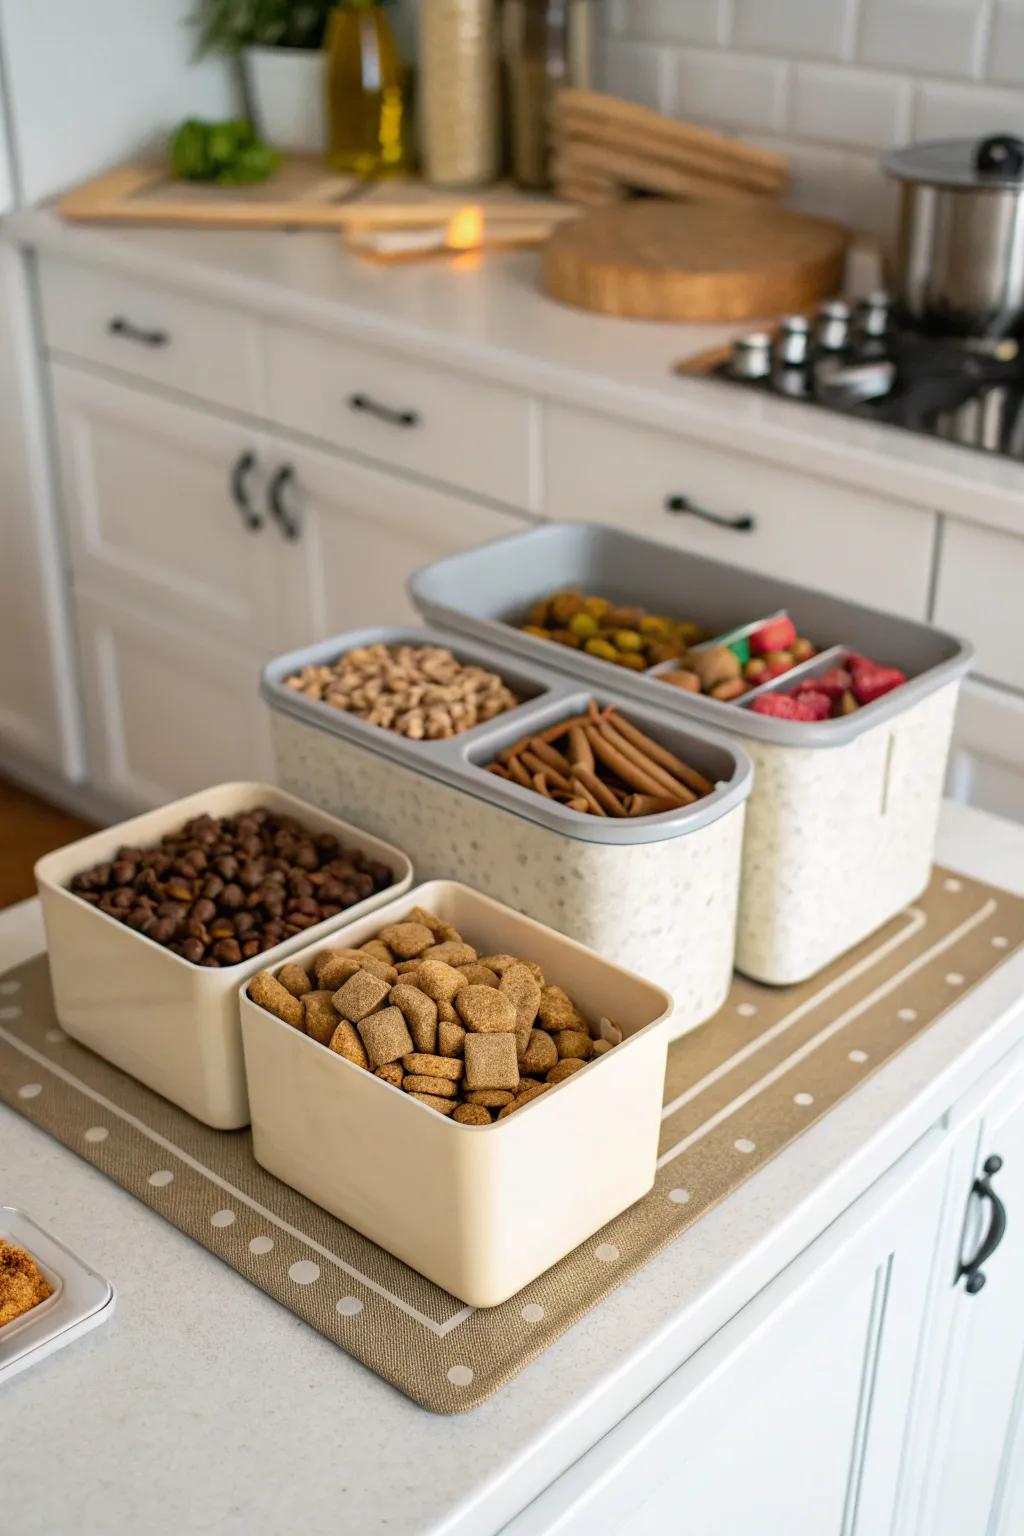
x=479, y=1209
x=663, y=904
x=840, y=827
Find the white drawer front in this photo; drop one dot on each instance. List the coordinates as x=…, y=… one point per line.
x=154, y=333
x=405, y=414
x=804, y=529
x=979, y=595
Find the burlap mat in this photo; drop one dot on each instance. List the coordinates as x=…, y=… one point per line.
x=737, y=1091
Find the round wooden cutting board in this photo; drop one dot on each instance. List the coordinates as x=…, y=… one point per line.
x=659, y=260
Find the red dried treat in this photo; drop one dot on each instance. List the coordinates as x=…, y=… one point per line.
x=818, y=703
x=834, y=683
x=783, y=706
x=776, y=635
x=870, y=681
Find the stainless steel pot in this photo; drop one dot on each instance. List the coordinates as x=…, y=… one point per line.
x=960, y=260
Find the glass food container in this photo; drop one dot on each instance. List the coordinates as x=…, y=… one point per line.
x=546, y=44
x=367, y=93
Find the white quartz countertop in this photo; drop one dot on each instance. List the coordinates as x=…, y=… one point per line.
x=205, y=1407
x=487, y=314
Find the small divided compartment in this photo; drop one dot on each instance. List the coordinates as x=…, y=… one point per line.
x=840, y=826
x=655, y=893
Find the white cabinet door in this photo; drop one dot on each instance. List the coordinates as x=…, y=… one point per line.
x=971, y=1394
x=168, y=710
x=986, y=764
x=156, y=497
x=791, y=1419
x=358, y=534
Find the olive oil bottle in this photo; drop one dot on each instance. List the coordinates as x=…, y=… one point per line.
x=367, y=93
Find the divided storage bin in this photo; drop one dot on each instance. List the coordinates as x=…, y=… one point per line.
x=657, y=894
x=841, y=823
x=480, y=1210
x=172, y=1025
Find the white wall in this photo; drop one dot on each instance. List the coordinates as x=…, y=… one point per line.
x=830, y=83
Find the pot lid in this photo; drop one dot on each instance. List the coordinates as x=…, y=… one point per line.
x=992, y=162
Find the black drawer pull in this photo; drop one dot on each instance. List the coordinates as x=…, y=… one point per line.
x=288, y=519
x=240, y=473
x=996, y=1229
x=119, y=326
x=744, y=523
x=383, y=412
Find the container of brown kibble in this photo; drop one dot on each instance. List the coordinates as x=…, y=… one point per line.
x=480, y=1209
x=170, y=1021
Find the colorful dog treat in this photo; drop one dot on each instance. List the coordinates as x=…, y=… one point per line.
x=840, y=692
x=625, y=635
x=22, y=1283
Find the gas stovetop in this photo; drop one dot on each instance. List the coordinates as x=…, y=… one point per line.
x=859, y=361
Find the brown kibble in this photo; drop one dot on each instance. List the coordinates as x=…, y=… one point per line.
x=522, y=1099
x=439, y=980
x=444, y=1089
x=451, y=952
x=478, y=975
x=490, y=1098
x=359, y=996
x=521, y=987
x=295, y=980
x=265, y=990
x=407, y=940
x=540, y=1055
x=420, y=1013
x=437, y=925
x=498, y=963
x=385, y=1036
x=407, y=967
x=565, y=1069
x=573, y=1042
x=392, y=1073
x=471, y=1114
x=339, y=968
x=558, y=1011
x=346, y=1042
x=491, y=1061
x=450, y=1038
x=377, y=951
x=432, y=1101
x=486, y=1011
x=446, y=1013
x=320, y=1016
x=424, y=1065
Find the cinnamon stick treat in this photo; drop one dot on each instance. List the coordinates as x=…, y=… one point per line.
x=652, y=805
x=600, y=791
x=551, y=734
x=663, y=757
x=580, y=754
x=660, y=775
x=551, y=755
x=497, y=769
x=593, y=804
x=519, y=773
x=540, y=784
x=624, y=767
x=537, y=765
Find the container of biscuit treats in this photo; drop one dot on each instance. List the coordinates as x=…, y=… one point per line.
x=610, y=825
x=845, y=712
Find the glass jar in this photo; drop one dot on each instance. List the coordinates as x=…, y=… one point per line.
x=546, y=44
x=460, y=88
x=367, y=101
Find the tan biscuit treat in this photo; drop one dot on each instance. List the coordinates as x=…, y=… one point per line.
x=490, y=1098
x=377, y=950
x=491, y=1061
x=294, y=980
x=407, y=967
x=432, y=1101
x=343, y=965
x=471, y=1114
x=322, y=959
x=439, y=980
x=565, y=1069
x=392, y=1073
x=321, y=1016
x=558, y=1011
x=541, y=1053
x=424, y=1065
x=446, y=1012
x=346, y=1042
x=359, y=996
x=573, y=1042
x=441, y=930
x=269, y=994
x=521, y=987
x=499, y=963
x=451, y=952
x=478, y=975
x=420, y=1013
x=385, y=1036
x=600, y=1047
x=438, y=1085
x=486, y=1011
x=525, y=1096
x=450, y=1037
x=407, y=940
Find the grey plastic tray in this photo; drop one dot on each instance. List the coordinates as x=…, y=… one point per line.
x=485, y=592
x=549, y=697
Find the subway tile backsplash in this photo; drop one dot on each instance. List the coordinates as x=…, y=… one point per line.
x=829, y=83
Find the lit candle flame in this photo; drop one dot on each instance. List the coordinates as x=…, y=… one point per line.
x=465, y=229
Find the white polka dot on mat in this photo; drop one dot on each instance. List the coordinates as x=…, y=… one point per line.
x=8, y=988
x=55, y=1037
x=952, y=886
x=954, y=979
x=304, y=1272
x=679, y=1196
x=746, y=1010
x=222, y=1218
x=908, y=1015
x=532, y=1313
x=743, y=1145
x=348, y=1306
x=803, y=1098
x=30, y=1090
x=161, y=1177
x=858, y=1057
x=606, y=1252
x=460, y=1375
x=97, y=1133
x=10, y=1013
x=260, y=1244
x=1000, y=941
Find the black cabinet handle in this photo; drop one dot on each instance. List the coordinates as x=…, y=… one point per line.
x=383, y=412
x=288, y=519
x=744, y=523
x=240, y=481
x=996, y=1229
x=119, y=326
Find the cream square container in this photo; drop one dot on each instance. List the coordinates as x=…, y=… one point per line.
x=479, y=1209
x=171, y=1024
x=840, y=827
x=658, y=894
